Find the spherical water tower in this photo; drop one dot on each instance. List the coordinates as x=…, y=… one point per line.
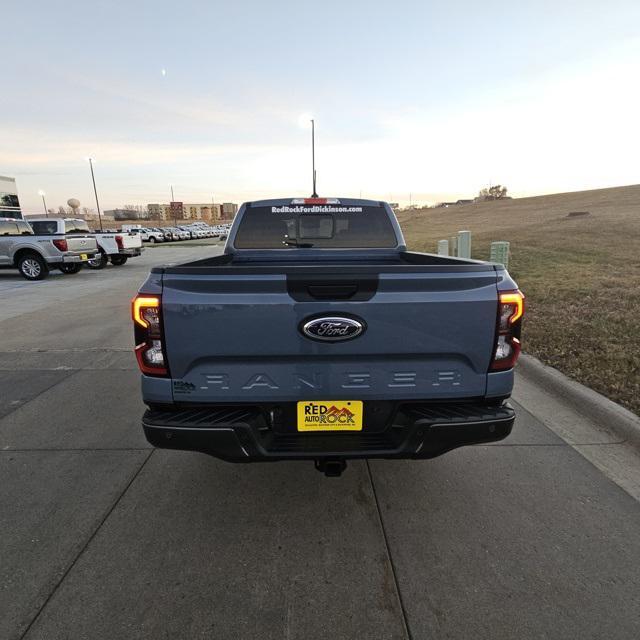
x=75, y=205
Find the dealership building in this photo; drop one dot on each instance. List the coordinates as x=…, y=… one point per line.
x=9, y=202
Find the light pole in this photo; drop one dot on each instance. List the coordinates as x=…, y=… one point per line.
x=41, y=193
x=95, y=191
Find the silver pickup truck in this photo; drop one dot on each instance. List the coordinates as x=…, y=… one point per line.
x=114, y=247
x=35, y=254
x=317, y=335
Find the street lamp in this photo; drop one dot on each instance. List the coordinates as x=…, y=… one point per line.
x=44, y=204
x=93, y=178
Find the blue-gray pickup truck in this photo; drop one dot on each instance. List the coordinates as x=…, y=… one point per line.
x=317, y=335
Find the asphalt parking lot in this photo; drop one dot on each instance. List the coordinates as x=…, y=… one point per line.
x=103, y=537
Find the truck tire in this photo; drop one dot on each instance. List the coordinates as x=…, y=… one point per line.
x=32, y=266
x=74, y=267
x=118, y=261
x=99, y=261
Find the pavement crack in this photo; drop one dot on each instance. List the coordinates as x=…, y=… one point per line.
x=554, y=444
x=599, y=444
x=53, y=384
x=86, y=545
x=405, y=621
x=72, y=449
x=71, y=350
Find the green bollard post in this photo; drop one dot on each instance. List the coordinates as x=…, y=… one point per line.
x=443, y=247
x=500, y=253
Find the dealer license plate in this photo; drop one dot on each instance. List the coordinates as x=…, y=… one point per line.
x=330, y=415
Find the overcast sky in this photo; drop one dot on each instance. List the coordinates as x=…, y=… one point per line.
x=433, y=98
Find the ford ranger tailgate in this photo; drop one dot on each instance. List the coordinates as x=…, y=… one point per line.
x=428, y=332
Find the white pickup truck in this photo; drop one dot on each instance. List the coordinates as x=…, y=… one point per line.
x=114, y=247
x=146, y=235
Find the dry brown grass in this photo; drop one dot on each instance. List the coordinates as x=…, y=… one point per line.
x=581, y=277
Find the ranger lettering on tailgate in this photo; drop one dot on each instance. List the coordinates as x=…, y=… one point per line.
x=349, y=380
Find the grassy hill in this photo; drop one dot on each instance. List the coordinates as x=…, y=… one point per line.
x=581, y=276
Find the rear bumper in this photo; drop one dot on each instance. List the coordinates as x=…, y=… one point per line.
x=243, y=433
x=72, y=258
x=130, y=252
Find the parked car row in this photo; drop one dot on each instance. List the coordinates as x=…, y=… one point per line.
x=37, y=245
x=198, y=230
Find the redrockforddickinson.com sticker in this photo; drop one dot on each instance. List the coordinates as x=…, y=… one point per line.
x=317, y=208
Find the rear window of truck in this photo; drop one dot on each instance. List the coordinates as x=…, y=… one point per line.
x=45, y=227
x=76, y=226
x=324, y=227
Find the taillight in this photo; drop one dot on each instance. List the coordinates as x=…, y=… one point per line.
x=61, y=244
x=147, y=321
x=119, y=242
x=507, y=346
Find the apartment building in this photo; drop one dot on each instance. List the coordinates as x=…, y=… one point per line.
x=190, y=211
x=229, y=210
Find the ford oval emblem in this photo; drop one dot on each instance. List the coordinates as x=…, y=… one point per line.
x=332, y=328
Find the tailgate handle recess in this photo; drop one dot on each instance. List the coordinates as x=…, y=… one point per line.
x=324, y=287
x=332, y=291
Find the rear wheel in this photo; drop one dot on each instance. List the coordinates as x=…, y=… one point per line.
x=74, y=267
x=33, y=267
x=152, y=240
x=99, y=261
x=118, y=261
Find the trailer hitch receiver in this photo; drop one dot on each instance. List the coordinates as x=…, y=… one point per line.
x=331, y=467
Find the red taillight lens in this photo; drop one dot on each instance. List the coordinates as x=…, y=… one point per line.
x=61, y=244
x=120, y=242
x=146, y=312
x=507, y=346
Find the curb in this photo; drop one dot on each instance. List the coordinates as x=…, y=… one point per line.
x=589, y=403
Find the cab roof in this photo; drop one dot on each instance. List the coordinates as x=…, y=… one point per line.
x=280, y=202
